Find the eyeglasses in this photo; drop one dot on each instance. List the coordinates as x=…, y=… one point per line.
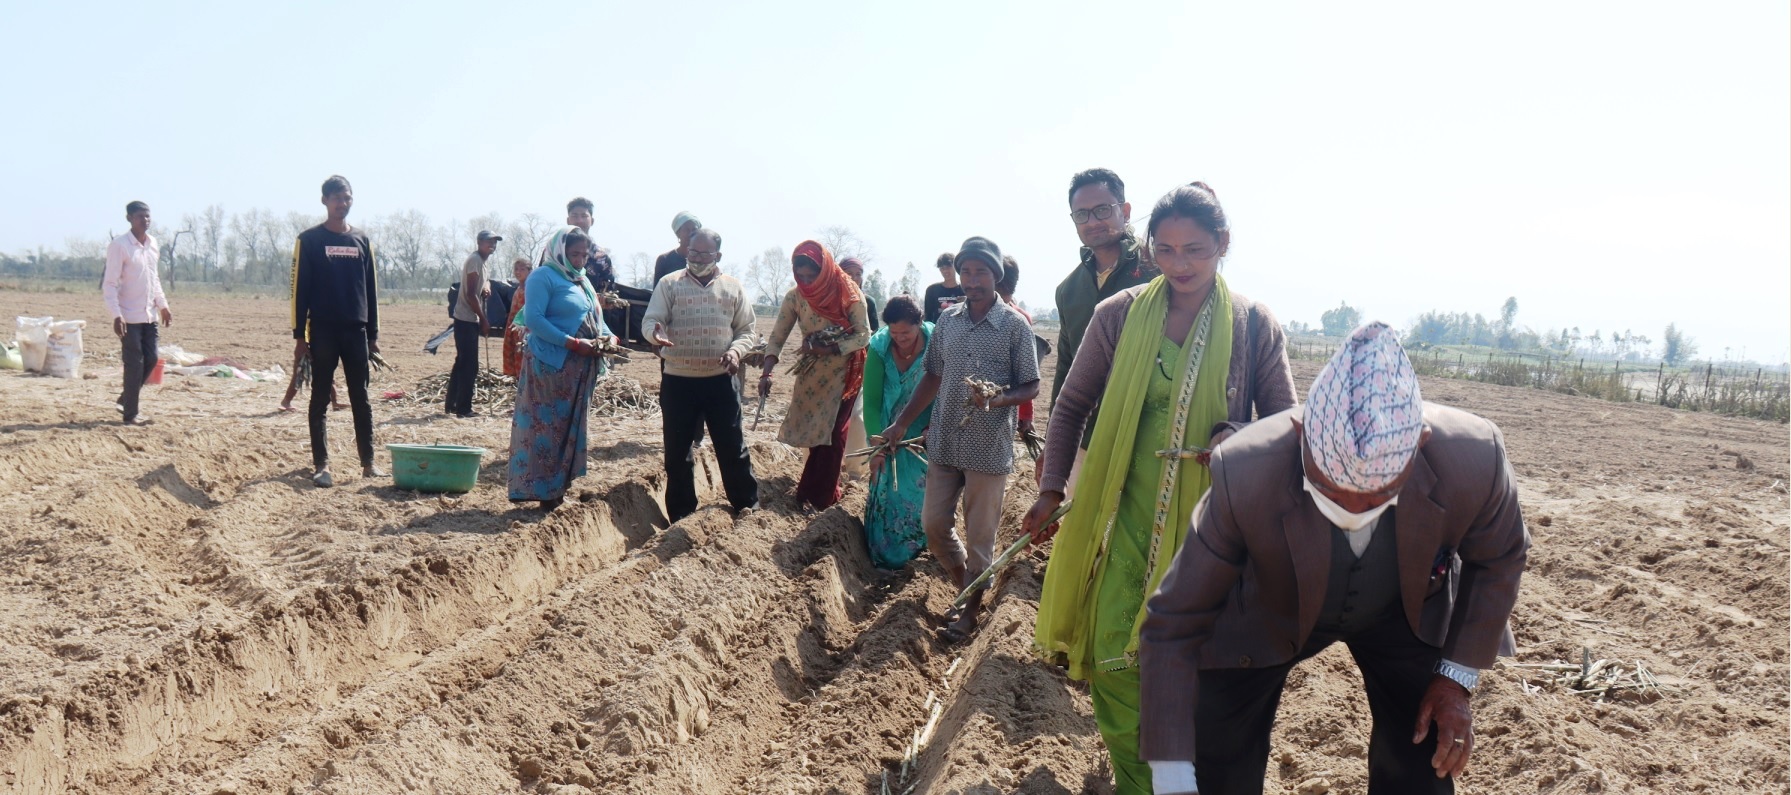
x=1100, y=213
x=702, y=256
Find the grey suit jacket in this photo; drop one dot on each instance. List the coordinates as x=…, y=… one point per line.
x=1246, y=588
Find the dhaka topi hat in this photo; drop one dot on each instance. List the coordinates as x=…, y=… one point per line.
x=1364, y=415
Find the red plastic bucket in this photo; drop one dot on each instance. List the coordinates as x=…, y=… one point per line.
x=155, y=374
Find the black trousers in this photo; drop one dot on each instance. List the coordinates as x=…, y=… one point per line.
x=139, y=358
x=346, y=345
x=1237, y=712
x=466, y=367
x=686, y=404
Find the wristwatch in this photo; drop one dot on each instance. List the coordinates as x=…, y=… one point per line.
x=1468, y=678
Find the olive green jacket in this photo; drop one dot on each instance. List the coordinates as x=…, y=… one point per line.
x=1076, y=299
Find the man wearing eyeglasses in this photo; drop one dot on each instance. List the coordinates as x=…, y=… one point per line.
x=1111, y=261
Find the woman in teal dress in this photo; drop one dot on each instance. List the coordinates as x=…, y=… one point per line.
x=892, y=370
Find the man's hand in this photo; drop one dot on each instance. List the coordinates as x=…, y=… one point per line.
x=978, y=401
x=1033, y=523
x=662, y=341
x=730, y=361
x=118, y=327
x=373, y=346
x=167, y=317
x=894, y=431
x=765, y=385
x=301, y=351
x=1446, y=703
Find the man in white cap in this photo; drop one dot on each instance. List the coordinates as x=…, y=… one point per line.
x=1366, y=517
x=684, y=224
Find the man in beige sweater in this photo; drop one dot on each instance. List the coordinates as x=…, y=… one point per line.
x=701, y=324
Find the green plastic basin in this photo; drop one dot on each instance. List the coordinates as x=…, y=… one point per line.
x=435, y=467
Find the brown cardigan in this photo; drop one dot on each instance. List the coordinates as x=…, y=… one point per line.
x=1259, y=384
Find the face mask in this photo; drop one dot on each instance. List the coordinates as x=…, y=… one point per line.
x=1346, y=521
x=701, y=270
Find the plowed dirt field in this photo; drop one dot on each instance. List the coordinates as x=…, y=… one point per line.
x=181, y=612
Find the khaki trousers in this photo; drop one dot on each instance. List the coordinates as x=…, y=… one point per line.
x=983, y=494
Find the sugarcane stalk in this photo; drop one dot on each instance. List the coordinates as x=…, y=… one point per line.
x=379, y=362
x=832, y=335
x=1035, y=444
x=1184, y=453
x=1007, y=557
x=761, y=412
x=988, y=390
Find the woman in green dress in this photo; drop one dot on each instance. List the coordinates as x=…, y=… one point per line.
x=893, y=369
x=1176, y=365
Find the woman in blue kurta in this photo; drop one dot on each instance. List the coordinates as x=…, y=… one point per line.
x=892, y=370
x=553, y=394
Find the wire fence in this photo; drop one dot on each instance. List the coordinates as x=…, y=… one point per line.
x=1732, y=390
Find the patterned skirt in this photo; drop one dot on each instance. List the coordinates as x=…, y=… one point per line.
x=547, y=435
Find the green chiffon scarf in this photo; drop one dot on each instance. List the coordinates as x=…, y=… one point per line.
x=1064, y=635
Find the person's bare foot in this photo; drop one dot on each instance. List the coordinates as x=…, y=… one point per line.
x=285, y=406
x=371, y=471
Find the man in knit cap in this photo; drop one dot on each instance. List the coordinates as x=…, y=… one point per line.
x=684, y=225
x=970, y=444
x=1366, y=517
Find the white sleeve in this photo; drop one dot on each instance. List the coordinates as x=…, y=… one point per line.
x=1172, y=777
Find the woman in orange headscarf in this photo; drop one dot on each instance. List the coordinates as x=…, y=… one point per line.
x=835, y=329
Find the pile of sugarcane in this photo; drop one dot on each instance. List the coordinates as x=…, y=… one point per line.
x=1035, y=443
x=619, y=395
x=832, y=335
x=988, y=390
x=491, y=390
x=879, y=445
x=1598, y=680
x=1007, y=557
x=755, y=356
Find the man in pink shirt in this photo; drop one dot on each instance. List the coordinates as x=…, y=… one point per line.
x=133, y=293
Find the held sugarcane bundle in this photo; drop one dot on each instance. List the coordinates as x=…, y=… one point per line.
x=1035, y=444
x=916, y=445
x=303, y=381
x=1007, y=557
x=989, y=390
x=379, y=362
x=832, y=335
x=607, y=349
x=755, y=356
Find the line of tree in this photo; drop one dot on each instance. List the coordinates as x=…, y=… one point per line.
x=253, y=249
x=1437, y=328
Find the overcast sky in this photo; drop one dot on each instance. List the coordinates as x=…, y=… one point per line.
x=1612, y=165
